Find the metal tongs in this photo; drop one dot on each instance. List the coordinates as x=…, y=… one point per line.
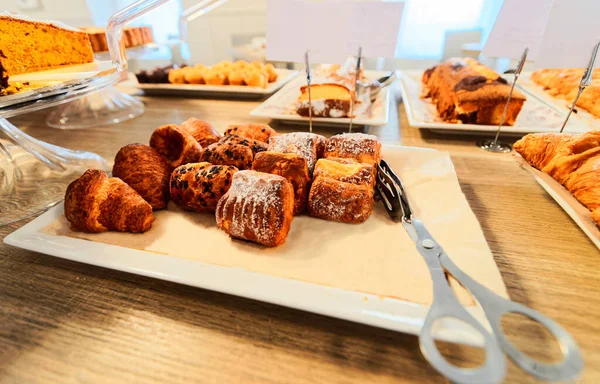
x=446, y=305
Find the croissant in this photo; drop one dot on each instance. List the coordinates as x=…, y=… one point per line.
x=146, y=171
x=204, y=133
x=176, y=145
x=572, y=160
x=96, y=203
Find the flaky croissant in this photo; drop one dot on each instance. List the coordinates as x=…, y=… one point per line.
x=572, y=160
x=96, y=203
x=204, y=133
x=146, y=171
x=176, y=145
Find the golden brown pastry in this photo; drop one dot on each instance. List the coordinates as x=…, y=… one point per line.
x=195, y=74
x=335, y=200
x=255, y=145
x=96, y=203
x=256, y=78
x=291, y=166
x=260, y=132
x=307, y=145
x=236, y=77
x=199, y=186
x=216, y=76
x=270, y=69
x=258, y=207
x=177, y=75
x=228, y=153
x=240, y=64
x=204, y=133
x=465, y=91
x=176, y=145
x=358, y=146
x=146, y=171
x=571, y=159
x=347, y=171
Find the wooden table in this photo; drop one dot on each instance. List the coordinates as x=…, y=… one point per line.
x=62, y=321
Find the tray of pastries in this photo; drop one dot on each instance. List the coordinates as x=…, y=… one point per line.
x=567, y=166
x=463, y=95
x=239, y=78
x=559, y=86
x=287, y=218
x=331, y=93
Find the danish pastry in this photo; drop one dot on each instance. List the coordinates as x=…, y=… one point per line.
x=176, y=145
x=204, y=133
x=291, y=166
x=228, y=153
x=258, y=207
x=146, y=171
x=199, y=186
x=260, y=132
x=335, y=200
x=255, y=145
x=96, y=203
x=304, y=144
x=358, y=146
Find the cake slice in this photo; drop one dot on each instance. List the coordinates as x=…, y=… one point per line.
x=27, y=45
x=327, y=100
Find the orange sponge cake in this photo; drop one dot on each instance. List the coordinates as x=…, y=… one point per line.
x=27, y=45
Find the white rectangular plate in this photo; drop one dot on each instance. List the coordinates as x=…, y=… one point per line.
x=536, y=115
x=280, y=106
x=578, y=212
x=283, y=76
x=384, y=312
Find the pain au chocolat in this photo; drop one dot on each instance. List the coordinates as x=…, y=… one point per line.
x=291, y=166
x=465, y=91
x=198, y=187
x=258, y=207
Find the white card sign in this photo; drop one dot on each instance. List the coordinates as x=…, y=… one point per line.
x=571, y=33
x=519, y=25
x=331, y=30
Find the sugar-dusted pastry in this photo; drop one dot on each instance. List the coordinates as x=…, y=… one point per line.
x=335, y=200
x=347, y=171
x=176, y=145
x=146, y=171
x=177, y=75
x=358, y=146
x=571, y=159
x=465, y=91
x=199, y=186
x=258, y=207
x=96, y=203
x=291, y=166
x=228, y=153
x=236, y=77
x=256, y=78
x=260, y=132
x=204, y=133
x=215, y=77
x=304, y=144
x=270, y=69
x=255, y=145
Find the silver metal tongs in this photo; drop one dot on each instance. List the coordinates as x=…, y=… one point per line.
x=446, y=305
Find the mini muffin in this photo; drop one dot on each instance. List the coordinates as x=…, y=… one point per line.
x=256, y=78
x=215, y=77
x=146, y=171
x=270, y=69
x=199, y=186
x=194, y=75
x=177, y=76
x=236, y=77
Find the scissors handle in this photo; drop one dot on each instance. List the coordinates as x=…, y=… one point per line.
x=495, y=307
x=445, y=305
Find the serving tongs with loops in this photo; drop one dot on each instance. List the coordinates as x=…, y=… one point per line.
x=446, y=305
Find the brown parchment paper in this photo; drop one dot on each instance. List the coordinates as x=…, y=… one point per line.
x=376, y=257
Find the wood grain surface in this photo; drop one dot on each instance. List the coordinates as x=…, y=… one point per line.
x=62, y=321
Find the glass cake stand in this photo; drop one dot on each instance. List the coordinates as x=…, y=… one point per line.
x=34, y=174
